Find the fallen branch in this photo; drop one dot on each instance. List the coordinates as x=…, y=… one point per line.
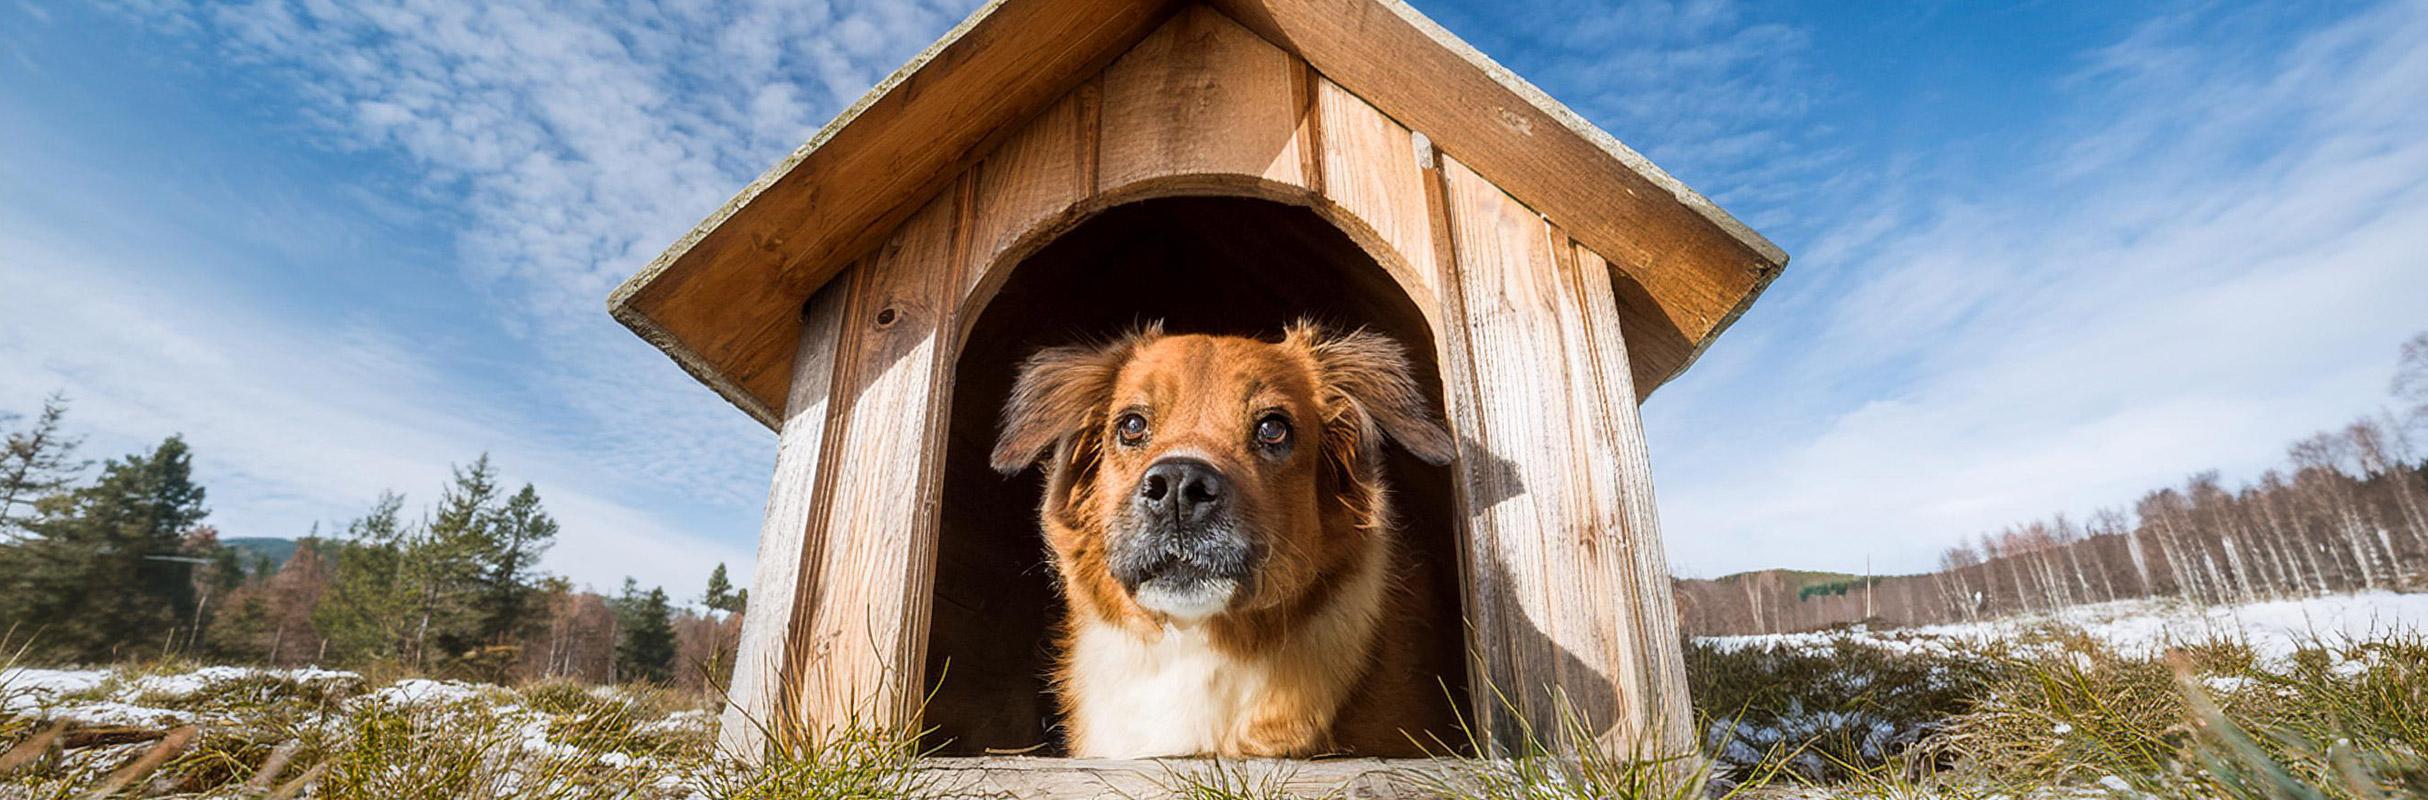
x=144, y=764
x=32, y=748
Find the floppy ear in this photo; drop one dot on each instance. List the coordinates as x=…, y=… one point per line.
x=1367, y=385
x=1060, y=392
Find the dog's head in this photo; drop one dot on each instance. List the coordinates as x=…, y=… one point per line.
x=1195, y=475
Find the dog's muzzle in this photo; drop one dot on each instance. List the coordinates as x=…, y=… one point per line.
x=1183, y=554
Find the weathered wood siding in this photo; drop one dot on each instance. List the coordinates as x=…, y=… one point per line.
x=783, y=537
x=1565, y=577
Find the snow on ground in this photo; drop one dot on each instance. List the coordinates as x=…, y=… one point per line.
x=2273, y=629
x=424, y=692
x=104, y=697
x=504, y=725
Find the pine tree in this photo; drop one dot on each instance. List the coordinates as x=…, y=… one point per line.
x=445, y=566
x=720, y=592
x=520, y=532
x=647, y=651
x=37, y=463
x=105, y=571
x=365, y=610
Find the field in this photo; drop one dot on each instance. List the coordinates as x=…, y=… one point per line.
x=2318, y=698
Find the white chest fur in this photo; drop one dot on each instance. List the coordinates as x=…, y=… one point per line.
x=1168, y=696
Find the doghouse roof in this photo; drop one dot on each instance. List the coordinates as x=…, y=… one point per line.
x=724, y=300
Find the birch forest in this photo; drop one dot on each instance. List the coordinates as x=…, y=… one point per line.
x=2346, y=510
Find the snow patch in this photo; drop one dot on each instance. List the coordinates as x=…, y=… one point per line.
x=412, y=692
x=2273, y=629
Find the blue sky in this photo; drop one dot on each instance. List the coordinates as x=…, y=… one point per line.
x=2047, y=255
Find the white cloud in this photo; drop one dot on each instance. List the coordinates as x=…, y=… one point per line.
x=291, y=422
x=2218, y=255
x=566, y=144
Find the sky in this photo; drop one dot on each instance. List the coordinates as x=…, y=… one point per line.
x=2047, y=256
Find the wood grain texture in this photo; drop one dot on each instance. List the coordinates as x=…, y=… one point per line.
x=1697, y=265
x=775, y=585
x=856, y=651
x=1114, y=779
x=1622, y=472
x=1202, y=96
x=722, y=300
x=1034, y=182
x=1370, y=170
x=1546, y=489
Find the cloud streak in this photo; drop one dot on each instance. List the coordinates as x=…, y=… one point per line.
x=557, y=147
x=2215, y=254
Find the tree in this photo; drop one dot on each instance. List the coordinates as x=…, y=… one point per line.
x=2411, y=381
x=368, y=601
x=38, y=462
x=519, y=533
x=647, y=651
x=447, y=563
x=720, y=592
x=294, y=593
x=106, y=569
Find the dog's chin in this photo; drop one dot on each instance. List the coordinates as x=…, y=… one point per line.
x=1186, y=600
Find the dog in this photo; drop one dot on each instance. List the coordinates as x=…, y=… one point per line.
x=1216, y=510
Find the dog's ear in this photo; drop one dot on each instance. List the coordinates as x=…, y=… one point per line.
x=1060, y=392
x=1368, y=387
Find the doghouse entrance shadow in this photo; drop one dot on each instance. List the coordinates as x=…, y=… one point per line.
x=1224, y=265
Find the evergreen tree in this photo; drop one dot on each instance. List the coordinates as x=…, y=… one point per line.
x=105, y=571
x=520, y=533
x=364, y=611
x=445, y=566
x=647, y=650
x=720, y=592
x=38, y=462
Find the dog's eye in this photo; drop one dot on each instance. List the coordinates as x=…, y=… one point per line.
x=1132, y=429
x=1272, y=431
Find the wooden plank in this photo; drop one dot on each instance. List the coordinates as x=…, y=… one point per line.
x=1622, y=474
x=1548, y=526
x=1484, y=659
x=857, y=653
x=1698, y=266
x=776, y=583
x=1030, y=185
x=1202, y=99
x=722, y=300
x=1370, y=170
x=1017, y=778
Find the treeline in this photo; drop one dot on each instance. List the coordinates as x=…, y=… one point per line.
x=123, y=567
x=2347, y=511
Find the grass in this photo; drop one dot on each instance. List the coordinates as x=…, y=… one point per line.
x=2338, y=720
x=2040, y=718
x=415, y=739
x=1844, y=714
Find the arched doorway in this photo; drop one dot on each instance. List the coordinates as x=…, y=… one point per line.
x=1230, y=265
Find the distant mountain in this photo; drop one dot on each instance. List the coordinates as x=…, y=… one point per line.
x=255, y=547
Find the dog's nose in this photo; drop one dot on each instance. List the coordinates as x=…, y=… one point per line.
x=1184, y=488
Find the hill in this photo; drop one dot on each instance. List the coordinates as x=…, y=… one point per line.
x=255, y=547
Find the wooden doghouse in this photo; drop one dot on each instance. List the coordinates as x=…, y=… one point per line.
x=1054, y=169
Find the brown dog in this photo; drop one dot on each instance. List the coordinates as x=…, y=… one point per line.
x=1217, y=511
